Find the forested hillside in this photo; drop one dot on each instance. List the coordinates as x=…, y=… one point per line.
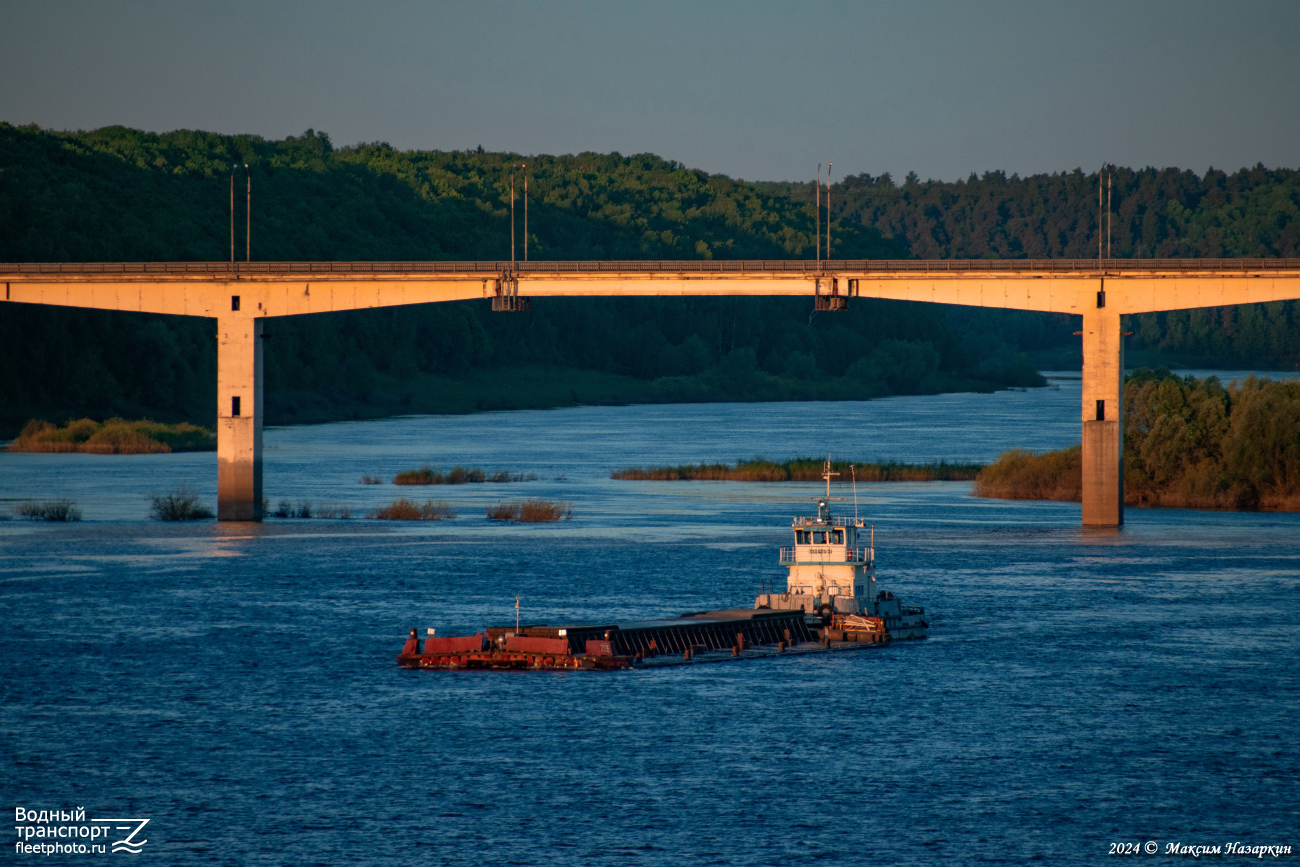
x=120, y=195
x=1156, y=213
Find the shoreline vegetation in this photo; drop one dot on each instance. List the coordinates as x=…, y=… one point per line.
x=116, y=436
x=1188, y=444
x=404, y=509
x=1021, y=474
x=531, y=511
x=182, y=504
x=48, y=510
x=458, y=475
x=803, y=470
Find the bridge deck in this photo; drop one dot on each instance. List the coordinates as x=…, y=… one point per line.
x=241, y=296
x=753, y=267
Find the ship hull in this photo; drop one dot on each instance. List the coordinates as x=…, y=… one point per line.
x=693, y=639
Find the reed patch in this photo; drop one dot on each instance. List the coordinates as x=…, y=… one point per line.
x=803, y=470
x=48, y=510
x=1024, y=475
x=458, y=475
x=404, y=509
x=332, y=510
x=531, y=511
x=182, y=504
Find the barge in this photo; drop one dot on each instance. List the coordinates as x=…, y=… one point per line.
x=831, y=603
x=705, y=636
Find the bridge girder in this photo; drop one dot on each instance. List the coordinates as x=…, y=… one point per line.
x=241, y=296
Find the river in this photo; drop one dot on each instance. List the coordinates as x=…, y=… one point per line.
x=235, y=684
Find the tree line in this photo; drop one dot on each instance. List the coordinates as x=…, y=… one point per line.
x=1154, y=213
x=118, y=194
x=1188, y=443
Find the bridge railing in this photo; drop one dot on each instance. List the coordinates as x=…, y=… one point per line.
x=713, y=266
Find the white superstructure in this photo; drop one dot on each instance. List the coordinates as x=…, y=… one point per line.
x=833, y=571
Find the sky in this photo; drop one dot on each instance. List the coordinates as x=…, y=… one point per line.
x=755, y=90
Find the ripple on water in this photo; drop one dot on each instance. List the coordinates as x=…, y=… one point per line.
x=238, y=687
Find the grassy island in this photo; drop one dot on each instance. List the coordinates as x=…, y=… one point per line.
x=803, y=470
x=531, y=511
x=1188, y=443
x=458, y=475
x=116, y=436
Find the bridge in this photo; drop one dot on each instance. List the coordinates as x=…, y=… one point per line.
x=242, y=296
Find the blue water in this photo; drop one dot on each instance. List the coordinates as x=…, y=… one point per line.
x=236, y=684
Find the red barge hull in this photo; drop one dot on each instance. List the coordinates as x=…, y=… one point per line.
x=710, y=636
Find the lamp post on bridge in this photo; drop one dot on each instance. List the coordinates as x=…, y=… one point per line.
x=248, y=217
x=1110, y=177
x=523, y=167
x=1104, y=220
x=829, y=166
x=817, y=236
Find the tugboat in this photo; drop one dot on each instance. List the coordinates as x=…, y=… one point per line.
x=832, y=576
x=831, y=604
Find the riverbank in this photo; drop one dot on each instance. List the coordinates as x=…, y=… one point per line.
x=116, y=436
x=1189, y=443
x=804, y=470
x=539, y=387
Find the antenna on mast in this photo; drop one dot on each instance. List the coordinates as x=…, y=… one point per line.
x=823, y=503
x=855, y=492
x=826, y=474
x=516, y=614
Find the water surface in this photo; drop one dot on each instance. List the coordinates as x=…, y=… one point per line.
x=236, y=684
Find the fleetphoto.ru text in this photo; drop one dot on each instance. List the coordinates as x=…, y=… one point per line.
x=69, y=832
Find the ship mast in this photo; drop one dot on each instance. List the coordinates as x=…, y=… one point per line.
x=823, y=503
x=826, y=474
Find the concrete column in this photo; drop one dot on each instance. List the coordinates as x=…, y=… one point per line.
x=1103, y=418
x=239, y=417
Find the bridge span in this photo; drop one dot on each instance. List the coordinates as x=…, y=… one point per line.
x=241, y=296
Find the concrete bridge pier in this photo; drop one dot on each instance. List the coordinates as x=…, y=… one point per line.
x=239, y=417
x=1103, y=417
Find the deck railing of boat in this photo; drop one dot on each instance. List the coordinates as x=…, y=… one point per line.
x=851, y=555
x=804, y=520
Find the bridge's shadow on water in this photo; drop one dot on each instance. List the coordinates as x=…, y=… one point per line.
x=236, y=683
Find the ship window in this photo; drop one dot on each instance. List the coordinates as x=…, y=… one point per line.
x=819, y=537
x=801, y=537
x=839, y=537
